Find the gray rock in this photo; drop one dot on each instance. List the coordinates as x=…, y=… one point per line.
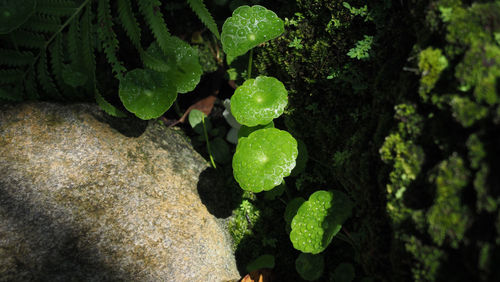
x=80, y=201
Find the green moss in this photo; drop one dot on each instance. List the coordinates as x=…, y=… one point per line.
x=242, y=221
x=484, y=200
x=427, y=259
x=448, y=218
x=476, y=151
x=431, y=63
x=467, y=112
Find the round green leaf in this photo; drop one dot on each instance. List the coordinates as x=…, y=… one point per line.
x=263, y=158
x=264, y=261
x=259, y=101
x=181, y=65
x=291, y=210
x=14, y=13
x=246, y=130
x=248, y=27
x=146, y=93
x=318, y=220
x=344, y=272
x=310, y=267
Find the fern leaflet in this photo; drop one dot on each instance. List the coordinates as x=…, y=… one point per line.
x=107, y=107
x=153, y=16
x=44, y=76
x=27, y=39
x=56, y=7
x=10, y=76
x=15, y=58
x=108, y=38
x=206, y=18
x=43, y=23
x=129, y=22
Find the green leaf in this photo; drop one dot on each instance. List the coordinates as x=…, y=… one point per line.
x=344, y=272
x=310, y=267
x=318, y=220
x=244, y=130
x=195, y=119
x=263, y=159
x=259, y=101
x=220, y=151
x=292, y=207
x=146, y=93
x=249, y=27
x=14, y=13
x=264, y=261
x=181, y=64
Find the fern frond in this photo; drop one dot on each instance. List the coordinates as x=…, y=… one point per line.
x=129, y=22
x=42, y=23
x=13, y=58
x=11, y=94
x=30, y=88
x=56, y=62
x=73, y=42
x=28, y=39
x=44, y=76
x=107, y=107
x=206, y=18
x=150, y=9
x=56, y=7
x=10, y=76
x=108, y=37
x=88, y=49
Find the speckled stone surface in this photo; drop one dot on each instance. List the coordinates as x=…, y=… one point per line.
x=80, y=201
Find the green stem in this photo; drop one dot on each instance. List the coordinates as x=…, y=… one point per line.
x=249, y=72
x=208, y=143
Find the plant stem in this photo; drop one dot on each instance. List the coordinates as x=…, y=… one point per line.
x=208, y=143
x=249, y=72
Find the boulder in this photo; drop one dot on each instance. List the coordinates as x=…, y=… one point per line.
x=86, y=197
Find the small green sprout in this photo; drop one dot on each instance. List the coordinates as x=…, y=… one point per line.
x=14, y=13
x=181, y=65
x=249, y=27
x=310, y=267
x=259, y=101
x=263, y=159
x=318, y=220
x=362, y=49
x=296, y=43
x=146, y=93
